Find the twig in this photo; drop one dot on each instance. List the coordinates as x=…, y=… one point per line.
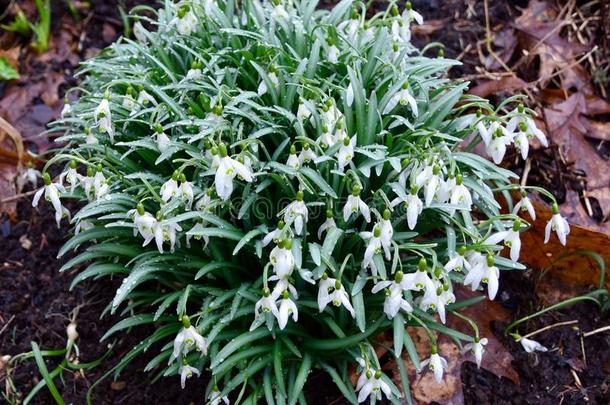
x=555, y=325
x=17, y=196
x=598, y=330
x=6, y=324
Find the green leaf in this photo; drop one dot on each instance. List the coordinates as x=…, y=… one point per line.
x=45, y=374
x=399, y=333
x=319, y=181
x=7, y=72
x=247, y=238
x=358, y=301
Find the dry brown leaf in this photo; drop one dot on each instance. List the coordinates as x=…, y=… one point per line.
x=569, y=276
x=510, y=84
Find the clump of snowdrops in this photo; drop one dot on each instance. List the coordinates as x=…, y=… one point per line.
x=277, y=184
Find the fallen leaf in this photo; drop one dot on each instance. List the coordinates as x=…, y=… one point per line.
x=508, y=84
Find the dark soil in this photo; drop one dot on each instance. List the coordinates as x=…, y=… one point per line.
x=36, y=304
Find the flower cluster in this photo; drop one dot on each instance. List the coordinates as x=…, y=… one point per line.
x=305, y=185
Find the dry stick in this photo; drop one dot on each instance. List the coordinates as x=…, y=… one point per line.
x=550, y=327
x=17, y=196
x=6, y=324
x=598, y=330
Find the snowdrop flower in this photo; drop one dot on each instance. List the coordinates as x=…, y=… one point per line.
x=51, y=193
x=163, y=232
x=331, y=115
x=401, y=31
x=497, y=145
x=436, y=298
x=103, y=118
x=279, y=12
x=186, y=191
x=281, y=258
x=185, y=20
x=557, y=224
x=328, y=224
x=86, y=183
x=403, y=97
x=332, y=53
x=413, y=204
x=144, y=222
x=303, y=112
x=170, y=188
x=266, y=304
x=215, y=397
x=461, y=195
x=350, y=27
x=531, y=346
x=332, y=290
x=293, y=159
x=306, y=155
x=446, y=190
x=163, y=141
x=457, y=261
x=387, y=231
x=100, y=185
x=420, y=280
x=525, y=205
x=432, y=185
x=194, y=73
x=274, y=235
x=522, y=143
x=287, y=308
x=394, y=299
x=90, y=139
x=355, y=205
x=29, y=175
x=262, y=87
x=372, y=383
x=296, y=213
x=205, y=202
x=186, y=371
x=186, y=340
x=128, y=101
x=437, y=364
x=485, y=272
x=373, y=246
x=71, y=176
x=195, y=232
x=66, y=110
x=411, y=15
x=510, y=239
x=477, y=349
x=526, y=125
x=283, y=284
x=346, y=152
x=227, y=169
x=144, y=99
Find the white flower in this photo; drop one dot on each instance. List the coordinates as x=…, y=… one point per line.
x=394, y=299
x=531, y=345
x=205, y=202
x=293, y=160
x=186, y=192
x=194, y=74
x=287, y=308
x=103, y=118
x=557, y=224
x=432, y=185
x=457, y=261
x=66, y=110
x=163, y=232
x=282, y=259
x=387, y=232
x=186, y=340
x=144, y=99
x=185, y=21
x=411, y=15
x=437, y=364
x=371, y=382
x=303, y=112
x=128, y=102
x=186, y=371
x=332, y=54
x=306, y=155
x=373, y=246
x=446, y=190
x=262, y=87
x=498, y=137
x=418, y=281
x=71, y=176
x=296, y=213
x=170, y=188
x=83, y=226
x=279, y=13
x=332, y=290
x=461, y=195
x=29, y=175
x=51, y=193
x=346, y=152
x=274, y=235
x=436, y=298
x=355, y=205
x=266, y=304
x=350, y=28
x=143, y=222
x=403, y=97
x=195, y=232
x=522, y=143
x=477, y=349
x=283, y=284
x=525, y=205
x=328, y=224
x=163, y=141
x=526, y=124
x=413, y=204
x=227, y=169
x=215, y=397
x=484, y=271
x=90, y=138
x=510, y=239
